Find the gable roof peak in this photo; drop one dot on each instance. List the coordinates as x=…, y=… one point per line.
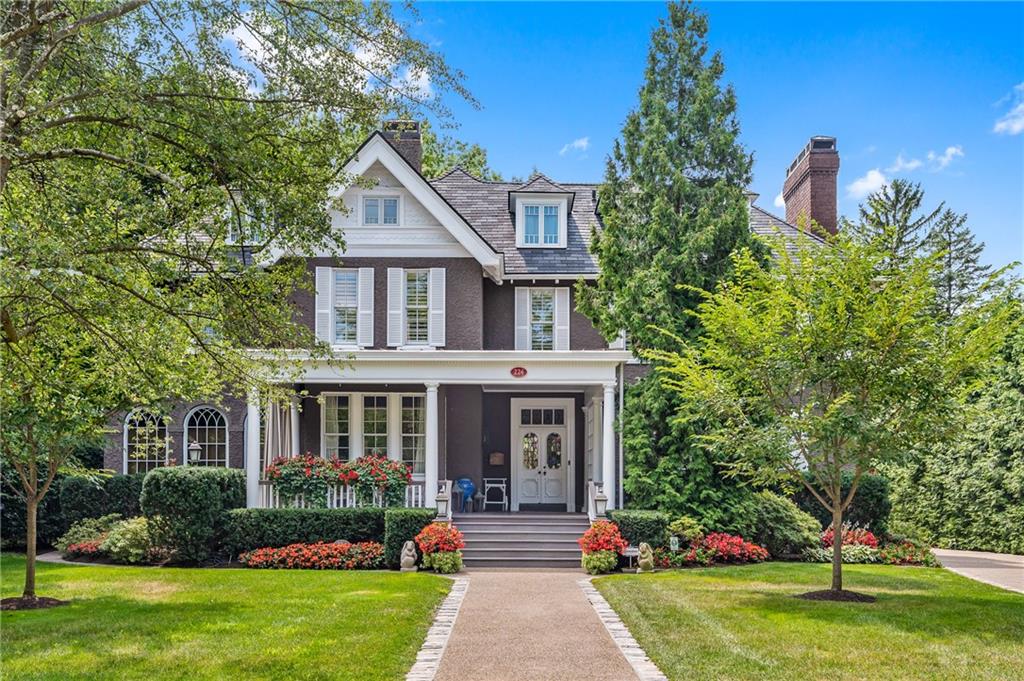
x=539, y=182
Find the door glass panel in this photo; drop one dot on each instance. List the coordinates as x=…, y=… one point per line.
x=524, y=417
x=549, y=416
x=559, y=417
x=554, y=451
x=537, y=416
x=530, y=460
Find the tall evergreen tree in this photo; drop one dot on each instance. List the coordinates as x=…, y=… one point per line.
x=960, y=275
x=673, y=209
x=892, y=218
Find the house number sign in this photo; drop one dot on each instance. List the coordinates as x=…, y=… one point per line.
x=518, y=372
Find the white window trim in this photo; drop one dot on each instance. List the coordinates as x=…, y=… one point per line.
x=563, y=221
x=355, y=422
x=334, y=311
x=227, y=434
x=407, y=345
x=351, y=422
x=124, y=437
x=373, y=195
x=529, y=316
x=398, y=420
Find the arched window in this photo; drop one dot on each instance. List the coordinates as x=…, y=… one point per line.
x=145, y=441
x=208, y=428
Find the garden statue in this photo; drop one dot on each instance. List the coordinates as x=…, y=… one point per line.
x=645, y=563
x=408, y=560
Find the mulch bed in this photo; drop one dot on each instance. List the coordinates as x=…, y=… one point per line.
x=37, y=603
x=844, y=595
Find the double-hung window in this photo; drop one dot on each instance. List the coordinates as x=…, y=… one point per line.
x=531, y=224
x=541, y=222
x=346, y=306
x=417, y=307
x=542, y=319
x=336, y=426
x=414, y=433
x=375, y=424
x=550, y=225
x=380, y=210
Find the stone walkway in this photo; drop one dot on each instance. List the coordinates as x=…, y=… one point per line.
x=998, y=569
x=519, y=625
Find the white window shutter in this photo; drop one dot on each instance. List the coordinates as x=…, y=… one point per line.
x=324, y=304
x=522, y=318
x=364, y=318
x=396, y=306
x=561, y=318
x=435, y=320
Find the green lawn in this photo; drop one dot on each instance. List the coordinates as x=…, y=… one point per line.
x=743, y=623
x=135, y=623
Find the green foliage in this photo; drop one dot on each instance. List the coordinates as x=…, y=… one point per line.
x=782, y=527
x=892, y=222
x=869, y=509
x=187, y=505
x=960, y=277
x=599, y=562
x=402, y=525
x=444, y=562
x=668, y=469
x=12, y=515
x=128, y=541
x=969, y=494
x=253, y=528
x=91, y=497
x=828, y=360
x=686, y=528
x=442, y=153
x=88, y=529
x=642, y=526
x=672, y=201
x=852, y=553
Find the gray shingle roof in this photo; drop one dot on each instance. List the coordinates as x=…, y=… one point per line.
x=485, y=204
x=764, y=223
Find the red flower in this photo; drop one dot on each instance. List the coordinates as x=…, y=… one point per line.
x=439, y=537
x=851, y=535
x=319, y=556
x=602, y=536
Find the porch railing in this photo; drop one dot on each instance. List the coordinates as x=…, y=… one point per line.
x=338, y=496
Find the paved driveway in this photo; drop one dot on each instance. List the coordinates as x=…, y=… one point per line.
x=998, y=569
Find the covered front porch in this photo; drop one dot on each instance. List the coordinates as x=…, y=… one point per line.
x=537, y=426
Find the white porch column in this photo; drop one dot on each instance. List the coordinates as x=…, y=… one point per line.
x=252, y=448
x=608, y=443
x=294, y=419
x=430, y=474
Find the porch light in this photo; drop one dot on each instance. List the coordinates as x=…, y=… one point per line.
x=600, y=503
x=194, y=450
x=442, y=505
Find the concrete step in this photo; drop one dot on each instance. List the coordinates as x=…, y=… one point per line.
x=522, y=562
x=523, y=545
x=523, y=535
x=532, y=552
x=521, y=527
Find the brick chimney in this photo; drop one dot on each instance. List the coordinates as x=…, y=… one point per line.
x=810, y=187
x=404, y=136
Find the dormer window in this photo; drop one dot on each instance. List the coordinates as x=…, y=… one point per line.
x=541, y=223
x=380, y=210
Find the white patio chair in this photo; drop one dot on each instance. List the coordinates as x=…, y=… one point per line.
x=499, y=484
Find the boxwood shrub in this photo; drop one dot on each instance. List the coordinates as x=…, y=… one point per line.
x=82, y=497
x=783, y=528
x=402, y=525
x=642, y=526
x=256, y=528
x=187, y=507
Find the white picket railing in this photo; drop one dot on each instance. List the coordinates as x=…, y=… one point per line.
x=338, y=496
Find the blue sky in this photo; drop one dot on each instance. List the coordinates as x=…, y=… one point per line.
x=923, y=83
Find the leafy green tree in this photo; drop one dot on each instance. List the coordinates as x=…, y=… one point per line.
x=961, y=278
x=828, y=361
x=673, y=209
x=148, y=152
x=442, y=153
x=892, y=218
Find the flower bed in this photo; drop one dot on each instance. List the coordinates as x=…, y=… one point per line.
x=602, y=544
x=852, y=535
x=441, y=545
x=375, y=479
x=714, y=549
x=85, y=549
x=319, y=556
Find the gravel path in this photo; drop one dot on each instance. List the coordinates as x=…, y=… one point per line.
x=530, y=626
x=998, y=569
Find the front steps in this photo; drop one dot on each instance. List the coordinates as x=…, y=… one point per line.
x=541, y=540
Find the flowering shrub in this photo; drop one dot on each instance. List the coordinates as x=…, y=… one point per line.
x=602, y=536
x=906, y=553
x=727, y=548
x=87, y=530
x=852, y=535
x=320, y=556
x=85, y=549
x=128, y=541
x=375, y=475
x=439, y=538
x=307, y=476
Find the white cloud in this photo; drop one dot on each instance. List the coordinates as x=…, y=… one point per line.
x=1012, y=122
x=941, y=161
x=779, y=202
x=872, y=181
x=580, y=145
x=249, y=45
x=904, y=165
x=416, y=83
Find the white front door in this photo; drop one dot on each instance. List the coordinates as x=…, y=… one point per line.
x=541, y=446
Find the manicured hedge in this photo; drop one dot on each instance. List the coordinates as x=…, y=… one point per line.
x=50, y=523
x=402, y=525
x=256, y=528
x=637, y=527
x=82, y=497
x=187, y=507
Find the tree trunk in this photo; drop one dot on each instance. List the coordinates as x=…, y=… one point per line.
x=31, y=509
x=837, y=546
